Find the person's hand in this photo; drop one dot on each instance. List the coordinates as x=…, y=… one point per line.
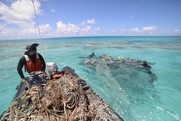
x=44, y=74
x=23, y=81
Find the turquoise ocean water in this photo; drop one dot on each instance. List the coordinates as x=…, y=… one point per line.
x=134, y=99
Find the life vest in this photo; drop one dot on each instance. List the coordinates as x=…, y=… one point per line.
x=32, y=67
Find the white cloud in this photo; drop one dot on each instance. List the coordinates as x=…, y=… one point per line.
x=9, y=33
x=30, y=32
x=89, y=30
x=2, y=29
x=6, y=32
x=45, y=28
x=86, y=29
x=136, y=30
x=2, y=26
x=21, y=15
x=63, y=29
x=150, y=28
x=89, y=21
x=18, y=21
x=20, y=12
x=97, y=29
x=67, y=29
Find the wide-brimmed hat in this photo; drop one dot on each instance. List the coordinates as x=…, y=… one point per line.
x=31, y=47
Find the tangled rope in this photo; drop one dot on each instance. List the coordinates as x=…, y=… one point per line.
x=64, y=99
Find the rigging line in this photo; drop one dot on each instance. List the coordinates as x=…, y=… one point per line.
x=38, y=29
x=40, y=37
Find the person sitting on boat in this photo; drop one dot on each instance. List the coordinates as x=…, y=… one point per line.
x=32, y=61
x=91, y=55
x=146, y=65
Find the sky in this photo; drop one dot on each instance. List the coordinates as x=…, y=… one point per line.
x=67, y=18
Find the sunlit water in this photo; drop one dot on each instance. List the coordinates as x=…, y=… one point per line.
x=128, y=92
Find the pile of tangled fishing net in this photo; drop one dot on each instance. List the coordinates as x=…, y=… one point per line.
x=65, y=99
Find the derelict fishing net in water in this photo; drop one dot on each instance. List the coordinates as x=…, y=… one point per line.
x=121, y=68
x=64, y=99
x=113, y=73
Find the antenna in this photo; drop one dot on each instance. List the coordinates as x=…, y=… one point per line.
x=38, y=28
x=40, y=36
